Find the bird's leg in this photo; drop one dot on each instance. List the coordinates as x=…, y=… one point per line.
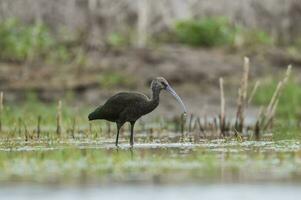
x=132, y=134
x=119, y=125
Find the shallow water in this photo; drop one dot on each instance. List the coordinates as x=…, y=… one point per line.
x=139, y=174
x=219, y=145
x=151, y=192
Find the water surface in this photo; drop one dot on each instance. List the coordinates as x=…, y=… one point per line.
x=151, y=192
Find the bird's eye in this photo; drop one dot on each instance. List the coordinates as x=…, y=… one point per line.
x=164, y=84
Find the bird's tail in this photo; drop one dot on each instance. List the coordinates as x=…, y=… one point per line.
x=96, y=114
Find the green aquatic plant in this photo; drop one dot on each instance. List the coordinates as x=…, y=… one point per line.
x=208, y=32
x=20, y=42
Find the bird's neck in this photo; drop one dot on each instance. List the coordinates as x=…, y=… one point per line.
x=154, y=101
x=155, y=95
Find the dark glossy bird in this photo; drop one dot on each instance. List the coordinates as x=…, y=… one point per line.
x=130, y=106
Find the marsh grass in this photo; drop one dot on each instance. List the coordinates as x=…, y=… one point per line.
x=166, y=151
x=287, y=125
x=1, y=110
x=289, y=102
x=35, y=120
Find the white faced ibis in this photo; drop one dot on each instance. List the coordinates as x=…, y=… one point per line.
x=130, y=106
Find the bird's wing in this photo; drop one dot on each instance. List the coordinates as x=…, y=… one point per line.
x=117, y=103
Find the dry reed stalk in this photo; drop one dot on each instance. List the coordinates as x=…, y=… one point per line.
x=228, y=126
x=73, y=128
x=242, y=96
x=183, y=121
x=274, y=108
x=215, y=127
x=254, y=90
x=26, y=132
x=95, y=135
x=246, y=78
x=222, y=114
x=198, y=123
x=39, y=126
x=100, y=129
x=237, y=125
x=190, y=123
x=287, y=74
x=1, y=109
x=195, y=123
x=90, y=129
x=59, y=118
x=257, y=130
x=19, y=126
x=274, y=98
x=271, y=109
x=278, y=90
x=271, y=116
x=151, y=134
x=260, y=113
x=257, y=124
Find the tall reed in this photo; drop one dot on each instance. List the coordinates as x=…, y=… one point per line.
x=1, y=110
x=222, y=112
x=59, y=118
x=242, y=96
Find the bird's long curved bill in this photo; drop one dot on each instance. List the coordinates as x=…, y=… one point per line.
x=171, y=91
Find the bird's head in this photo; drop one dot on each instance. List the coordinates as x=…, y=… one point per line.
x=161, y=83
